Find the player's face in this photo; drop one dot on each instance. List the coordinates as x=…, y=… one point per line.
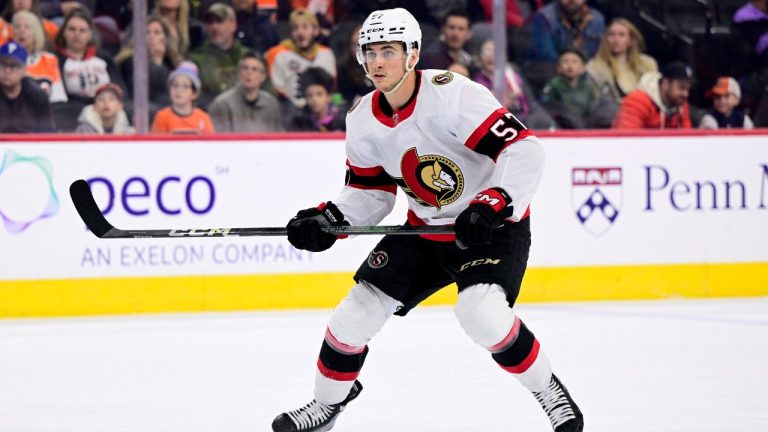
x=386, y=64
x=22, y=5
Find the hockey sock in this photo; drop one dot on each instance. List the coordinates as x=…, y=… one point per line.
x=520, y=354
x=338, y=366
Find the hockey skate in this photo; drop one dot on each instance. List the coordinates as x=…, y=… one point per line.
x=560, y=408
x=314, y=416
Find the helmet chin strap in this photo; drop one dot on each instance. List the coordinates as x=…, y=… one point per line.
x=399, y=84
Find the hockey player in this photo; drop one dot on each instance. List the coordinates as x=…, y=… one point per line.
x=462, y=159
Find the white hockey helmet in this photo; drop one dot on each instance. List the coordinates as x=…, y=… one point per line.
x=389, y=25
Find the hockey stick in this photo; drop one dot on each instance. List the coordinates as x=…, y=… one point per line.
x=96, y=222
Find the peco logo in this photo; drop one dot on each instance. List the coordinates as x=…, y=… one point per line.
x=171, y=195
x=596, y=197
x=35, y=200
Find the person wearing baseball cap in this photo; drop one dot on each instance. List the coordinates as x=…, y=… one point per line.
x=24, y=107
x=725, y=114
x=219, y=55
x=659, y=102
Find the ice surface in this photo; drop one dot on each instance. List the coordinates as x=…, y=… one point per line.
x=633, y=366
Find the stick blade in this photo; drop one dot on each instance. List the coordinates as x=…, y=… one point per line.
x=87, y=208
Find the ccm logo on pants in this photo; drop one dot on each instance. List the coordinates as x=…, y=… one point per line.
x=477, y=262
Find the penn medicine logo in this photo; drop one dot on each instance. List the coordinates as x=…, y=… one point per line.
x=431, y=180
x=596, y=195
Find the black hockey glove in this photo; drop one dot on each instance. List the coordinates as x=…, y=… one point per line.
x=304, y=229
x=486, y=212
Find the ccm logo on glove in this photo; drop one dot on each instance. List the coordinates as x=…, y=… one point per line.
x=486, y=212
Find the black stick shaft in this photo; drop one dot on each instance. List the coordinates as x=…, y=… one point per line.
x=96, y=222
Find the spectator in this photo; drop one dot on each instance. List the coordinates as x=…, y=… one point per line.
x=319, y=114
x=42, y=66
x=660, y=101
x=182, y=117
x=55, y=9
x=572, y=96
x=220, y=54
x=6, y=33
x=566, y=24
x=295, y=55
x=254, y=30
x=520, y=99
x=162, y=60
x=246, y=107
x=459, y=69
x=24, y=107
x=514, y=18
x=83, y=67
x=724, y=114
x=186, y=31
x=755, y=96
x=324, y=12
x=106, y=115
x=13, y=6
x=352, y=82
x=449, y=48
x=620, y=62
x=750, y=23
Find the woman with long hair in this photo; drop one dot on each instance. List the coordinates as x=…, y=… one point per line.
x=620, y=61
x=176, y=13
x=42, y=66
x=83, y=67
x=162, y=59
x=49, y=27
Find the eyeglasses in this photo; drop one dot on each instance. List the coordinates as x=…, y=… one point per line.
x=11, y=66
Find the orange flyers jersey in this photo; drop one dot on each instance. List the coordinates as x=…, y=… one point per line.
x=167, y=121
x=452, y=140
x=44, y=69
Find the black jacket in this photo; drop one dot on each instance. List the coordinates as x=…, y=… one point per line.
x=29, y=112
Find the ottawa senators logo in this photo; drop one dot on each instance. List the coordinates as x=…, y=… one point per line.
x=378, y=259
x=443, y=78
x=431, y=180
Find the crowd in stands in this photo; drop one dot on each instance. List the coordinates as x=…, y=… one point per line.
x=291, y=65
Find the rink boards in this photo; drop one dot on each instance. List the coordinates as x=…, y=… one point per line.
x=616, y=217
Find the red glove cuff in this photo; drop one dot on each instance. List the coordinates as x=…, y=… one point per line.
x=496, y=198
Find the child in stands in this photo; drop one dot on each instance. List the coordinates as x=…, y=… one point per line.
x=182, y=117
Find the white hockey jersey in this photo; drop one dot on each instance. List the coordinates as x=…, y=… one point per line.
x=451, y=140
